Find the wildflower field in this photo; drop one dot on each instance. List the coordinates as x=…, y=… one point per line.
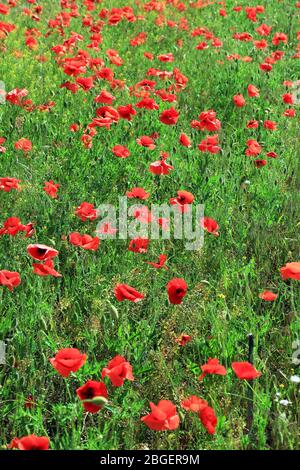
x=111, y=341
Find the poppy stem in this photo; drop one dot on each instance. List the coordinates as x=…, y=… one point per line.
x=250, y=388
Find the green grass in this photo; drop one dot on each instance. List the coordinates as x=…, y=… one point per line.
x=259, y=233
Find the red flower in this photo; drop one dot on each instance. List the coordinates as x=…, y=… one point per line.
x=253, y=149
x=160, y=264
x=207, y=121
x=118, y=369
x=51, y=188
x=259, y=163
x=30, y=442
x=68, y=360
x=271, y=125
x=177, y=289
x=183, y=339
x=86, y=211
x=163, y=416
x=160, y=167
x=252, y=91
x=85, y=241
x=194, y=404
x=182, y=200
x=210, y=144
x=208, y=419
x=10, y=279
x=239, y=101
x=185, y=140
x=7, y=184
x=210, y=225
x=45, y=269
x=125, y=292
x=139, y=245
x=291, y=271
x=212, y=367
x=91, y=394
x=138, y=193
x=104, y=97
x=288, y=98
x=41, y=252
x=268, y=296
x=120, y=151
x=169, y=116
x=146, y=141
x=245, y=370
x=252, y=124
x=23, y=144
x=126, y=112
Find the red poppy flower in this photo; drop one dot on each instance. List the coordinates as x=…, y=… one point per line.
x=138, y=193
x=51, y=188
x=185, y=140
x=291, y=271
x=126, y=112
x=212, y=367
x=23, y=144
x=118, y=369
x=92, y=393
x=253, y=149
x=210, y=225
x=210, y=144
x=41, y=252
x=259, y=163
x=169, y=116
x=139, y=245
x=183, y=339
x=163, y=416
x=85, y=241
x=177, y=289
x=146, y=141
x=288, y=98
x=208, y=419
x=120, y=151
x=207, y=121
x=272, y=154
x=160, y=264
x=12, y=226
x=68, y=360
x=194, y=404
x=104, y=97
x=45, y=269
x=252, y=91
x=10, y=279
x=239, y=101
x=30, y=442
x=160, y=167
x=182, y=200
x=268, y=296
x=7, y=184
x=126, y=292
x=86, y=211
x=147, y=103
x=252, y=124
x=271, y=125
x=245, y=370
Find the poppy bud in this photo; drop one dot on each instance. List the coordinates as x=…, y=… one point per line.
x=99, y=401
x=114, y=311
